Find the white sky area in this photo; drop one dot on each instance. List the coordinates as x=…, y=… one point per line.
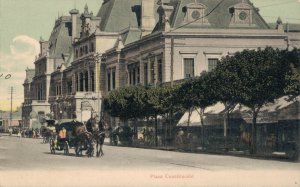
x=23, y=50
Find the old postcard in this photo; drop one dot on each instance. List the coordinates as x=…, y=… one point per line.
x=150, y=93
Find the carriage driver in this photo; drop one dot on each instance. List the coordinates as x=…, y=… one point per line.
x=53, y=132
x=62, y=133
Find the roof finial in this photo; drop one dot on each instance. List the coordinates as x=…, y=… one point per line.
x=279, y=21
x=86, y=9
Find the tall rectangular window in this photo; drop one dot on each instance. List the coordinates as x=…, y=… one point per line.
x=212, y=63
x=138, y=75
x=93, y=81
x=145, y=73
x=114, y=79
x=69, y=84
x=188, y=67
x=159, y=70
x=77, y=83
x=152, y=72
x=108, y=81
x=133, y=76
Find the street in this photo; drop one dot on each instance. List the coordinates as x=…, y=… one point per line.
x=28, y=162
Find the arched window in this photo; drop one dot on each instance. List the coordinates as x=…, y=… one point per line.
x=77, y=84
x=92, y=81
x=81, y=82
x=86, y=81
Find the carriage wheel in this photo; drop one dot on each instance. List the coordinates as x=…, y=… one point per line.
x=52, y=147
x=66, y=148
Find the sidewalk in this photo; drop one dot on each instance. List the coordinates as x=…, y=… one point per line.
x=273, y=156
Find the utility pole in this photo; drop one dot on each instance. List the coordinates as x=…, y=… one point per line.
x=11, y=102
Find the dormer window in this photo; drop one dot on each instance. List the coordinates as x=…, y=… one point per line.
x=195, y=12
x=241, y=15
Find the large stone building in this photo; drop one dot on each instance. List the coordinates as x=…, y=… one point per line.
x=52, y=54
x=144, y=42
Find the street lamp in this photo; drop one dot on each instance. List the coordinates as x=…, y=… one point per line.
x=98, y=57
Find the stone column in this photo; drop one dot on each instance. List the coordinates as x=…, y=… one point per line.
x=155, y=70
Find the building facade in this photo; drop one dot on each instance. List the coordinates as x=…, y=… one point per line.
x=132, y=42
x=52, y=54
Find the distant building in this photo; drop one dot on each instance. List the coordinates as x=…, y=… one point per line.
x=6, y=123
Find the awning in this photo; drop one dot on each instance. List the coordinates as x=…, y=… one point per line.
x=281, y=109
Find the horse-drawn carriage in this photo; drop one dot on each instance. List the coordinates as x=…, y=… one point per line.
x=71, y=134
x=47, y=131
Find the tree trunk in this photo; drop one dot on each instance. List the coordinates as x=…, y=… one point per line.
x=189, y=119
x=202, y=127
x=156, y=141
x=226, y=120
x=135, y=129
x=166, y=131
x=171, y=126
x=253, y=133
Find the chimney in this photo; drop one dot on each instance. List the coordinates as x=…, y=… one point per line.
x=165, y=11
x=148, y=19
x=74, y=13
x=43, y=47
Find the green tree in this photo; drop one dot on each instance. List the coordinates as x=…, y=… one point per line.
x=197, y=94
x=227, y=85
x=262, y=79
x=292, y=58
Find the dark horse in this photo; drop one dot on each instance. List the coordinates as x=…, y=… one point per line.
x=46, y=134
x=83, y=139
x=97, y=129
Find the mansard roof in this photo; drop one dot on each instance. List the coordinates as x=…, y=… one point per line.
x=117, y=15
x=217, y=11
x=60, y=40
x=130, y=35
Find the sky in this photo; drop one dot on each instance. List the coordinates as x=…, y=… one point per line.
x=23, y=22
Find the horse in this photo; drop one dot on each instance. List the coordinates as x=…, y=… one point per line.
x=97, y=129
x=46, y=134
x=83, y=138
